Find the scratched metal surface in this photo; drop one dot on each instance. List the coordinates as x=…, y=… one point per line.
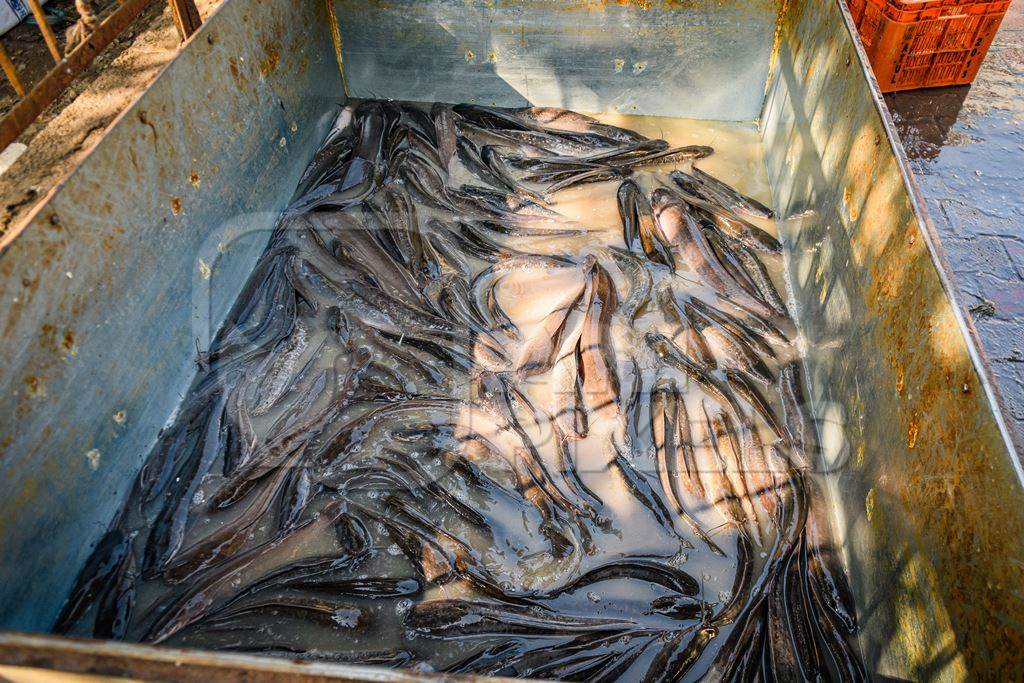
x=928, y=490
x=659, y=57
x=105, y=292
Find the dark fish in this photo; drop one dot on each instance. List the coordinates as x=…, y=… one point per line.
x=216, y=584
x=747, y=233
x=586, y=176
x=553, y=163
x=798, y=425
x=541, y=228
x=730, y=198
x=694, y=342
x=690, y=247
x=740, y=329
x=752, y=395
x=339, y=325
x=482, y=246
x=733, y=347
x=542, y=142
x=360, y=175
x=639, y=487
x=491, y=117
x=491, y=158
x=725, y=249
x=107, y=559
x=628, y=190
x=167, y=531
x=721, y=476
x=568, y=411
x=444, y=129
x=762, y=280
x=114, y=612
x=564, y=119
x=450, y=619
x=227, y=539
x=640, y=284
x=665, y=156
x=425, y=182
x=678, y=607
x=670, y=433
x=671, y=354
x=323, y=611
x=679, y=653
x=296, y=494
x=597, y=356
x=538, y=354
x=633, y=569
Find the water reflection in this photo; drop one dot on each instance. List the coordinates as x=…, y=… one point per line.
x=925, y=117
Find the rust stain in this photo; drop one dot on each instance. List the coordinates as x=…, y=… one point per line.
x=193, y=179
x=912, y=431
x=48, y=337
x=34, y=386
x=176, y=206
x=811, y=67
x=272, y=57
x=601, y=5
x=236, y=74
x=68, y=343
x=953, y=449
x=15, y=307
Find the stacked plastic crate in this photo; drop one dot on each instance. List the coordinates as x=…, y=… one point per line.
x=926, y=43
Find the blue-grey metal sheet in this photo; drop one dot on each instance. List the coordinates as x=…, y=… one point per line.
x=706, y=60
x=112, y=284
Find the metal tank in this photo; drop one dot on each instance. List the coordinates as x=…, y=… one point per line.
x=112, y=284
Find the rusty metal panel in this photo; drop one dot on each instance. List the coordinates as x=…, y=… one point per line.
x=659, y=57
x=111, y=286
x=149, y=663
x=927, y=487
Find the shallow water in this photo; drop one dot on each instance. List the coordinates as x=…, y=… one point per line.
x=416, y=441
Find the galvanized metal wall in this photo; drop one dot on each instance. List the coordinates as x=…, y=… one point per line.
x=136, y=257
x=931, y=508
x=667, y=57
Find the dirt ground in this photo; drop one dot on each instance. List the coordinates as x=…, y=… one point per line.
x=70, y=127
x=26, y=48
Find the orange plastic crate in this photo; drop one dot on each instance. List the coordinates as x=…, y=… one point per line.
x=926, y=43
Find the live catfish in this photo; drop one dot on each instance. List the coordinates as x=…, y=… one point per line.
x=511, y=391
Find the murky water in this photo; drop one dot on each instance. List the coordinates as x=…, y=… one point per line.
x=479, y=430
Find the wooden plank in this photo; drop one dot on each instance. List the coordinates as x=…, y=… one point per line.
x=12, y=72
x=44, y=28
x=60, y=77
x=186, y=17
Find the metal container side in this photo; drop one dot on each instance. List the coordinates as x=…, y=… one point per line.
x=668, y=58
x=109, y=289
x=927, y=488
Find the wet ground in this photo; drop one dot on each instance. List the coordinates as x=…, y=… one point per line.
x=966, y=146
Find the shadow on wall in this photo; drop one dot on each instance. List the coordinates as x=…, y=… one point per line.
x=595, y=57
x=928, y=501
